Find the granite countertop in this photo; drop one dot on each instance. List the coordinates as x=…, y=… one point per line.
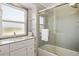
x=16, y=39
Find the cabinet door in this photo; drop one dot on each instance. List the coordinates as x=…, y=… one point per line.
x=18, y=45
x=4, y=50
x=26, y=51
x=31, y=50
x=24, y=48
x=19, y=52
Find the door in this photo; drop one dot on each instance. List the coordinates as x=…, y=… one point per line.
x=67, y=27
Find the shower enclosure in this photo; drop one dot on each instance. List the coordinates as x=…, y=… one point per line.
x=62, y=23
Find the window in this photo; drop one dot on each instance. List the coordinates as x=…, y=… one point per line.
x=41, y=22
x=13, y=21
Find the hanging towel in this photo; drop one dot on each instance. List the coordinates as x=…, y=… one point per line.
x=44, y=34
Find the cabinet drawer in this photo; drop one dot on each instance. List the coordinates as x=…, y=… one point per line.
x=20, y=44
x=4, y=49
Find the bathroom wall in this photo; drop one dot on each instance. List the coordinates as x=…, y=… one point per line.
x=0, y=21
x=33, y=24
x=65, y=31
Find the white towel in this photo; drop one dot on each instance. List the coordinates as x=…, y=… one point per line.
x=44, y=34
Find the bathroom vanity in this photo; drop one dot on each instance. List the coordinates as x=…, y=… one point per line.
x=23, y=46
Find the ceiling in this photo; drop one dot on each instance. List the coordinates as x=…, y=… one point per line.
x=39, y=6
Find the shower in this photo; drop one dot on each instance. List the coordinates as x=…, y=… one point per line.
x=62, y=23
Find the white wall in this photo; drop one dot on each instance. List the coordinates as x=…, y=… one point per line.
x=0, y=20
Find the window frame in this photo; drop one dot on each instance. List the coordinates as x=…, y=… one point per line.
x=25, y=20
x=42, y=23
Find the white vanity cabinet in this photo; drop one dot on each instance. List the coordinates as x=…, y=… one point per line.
x=22, y=48
x=18, y=48
x=4, y=50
